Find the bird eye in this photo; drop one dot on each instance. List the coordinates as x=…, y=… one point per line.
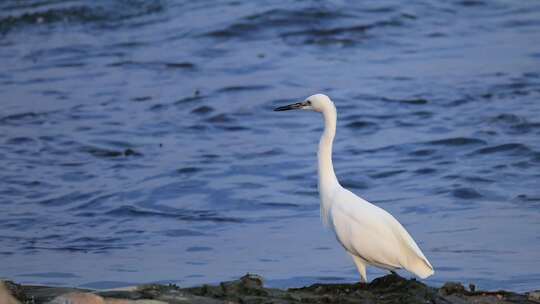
x=308, y=103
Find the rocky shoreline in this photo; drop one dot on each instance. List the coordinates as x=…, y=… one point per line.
x=250, y=289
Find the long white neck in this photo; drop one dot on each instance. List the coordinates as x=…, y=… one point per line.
x=328, y=182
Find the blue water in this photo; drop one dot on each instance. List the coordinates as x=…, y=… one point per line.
x=137, y=141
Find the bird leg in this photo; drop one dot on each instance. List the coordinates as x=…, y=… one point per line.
x=361, y=266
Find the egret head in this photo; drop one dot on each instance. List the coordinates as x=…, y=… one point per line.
x=317, y=103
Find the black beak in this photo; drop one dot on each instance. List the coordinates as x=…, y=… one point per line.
x=294, y=106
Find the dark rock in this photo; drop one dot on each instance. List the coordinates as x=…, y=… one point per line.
x=247, y=285
x=153, y=291
x=44, y=294
x=451, y=288
x=208, y=291
x=387, y=289
x=250, y=288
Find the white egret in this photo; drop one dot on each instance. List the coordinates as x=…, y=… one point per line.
x=368, y=233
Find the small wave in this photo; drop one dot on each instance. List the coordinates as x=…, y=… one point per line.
x=260, y=154
x=423, y=152
x=141, y=98
x=281, y=205
x=280, y=17
x=181, y=233
x=24, y=118
x=458, y=102
x=20, y=141
x=471, y=3
x=359, y=124
x=108, y=153
x=85, y=248
x=457, y=141
x=506, y=119
x=515, y=89
x=514, y=123
x=423, y=171
x=158, y=107
x=180, y=65
x=189, y=170
x=105, y=15
x=199, y=249
x=198, y=127
x=71, y=14
x=66, y=199
x=466, y=193
x=417, y=210
x=93, y=203
x=528, y=201
x=471, y=251
x=386, y=174
x=514, y=148
x=423, y=114
x=188, y=99
x=477, y=179
x=344, y=35
x=94, y=240
x=351, y=184
x=456, y=230
x=411, y=101
x=312, y=25
x=131, y=211
x=153, y=65
x=220, y=118
x=202, y=110
x=526, y=127
x=243, y=88
x=271, y=19
x=522, y=23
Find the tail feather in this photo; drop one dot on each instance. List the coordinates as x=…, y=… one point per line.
x=415, y=260
x=421, y=267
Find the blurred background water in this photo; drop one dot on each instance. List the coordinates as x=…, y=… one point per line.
x=137, y=141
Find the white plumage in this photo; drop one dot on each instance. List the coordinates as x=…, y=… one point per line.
x=370, y=234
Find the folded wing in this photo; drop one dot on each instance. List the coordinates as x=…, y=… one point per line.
x=375, y=236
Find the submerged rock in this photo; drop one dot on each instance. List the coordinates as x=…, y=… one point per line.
x=250, y=289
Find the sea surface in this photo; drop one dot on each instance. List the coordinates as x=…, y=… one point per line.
x=138, y=142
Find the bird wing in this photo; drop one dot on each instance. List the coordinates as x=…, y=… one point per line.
x=362, y=229
x=373, y=234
